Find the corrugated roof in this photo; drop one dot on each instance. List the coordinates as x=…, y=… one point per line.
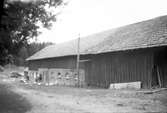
x=144, y=34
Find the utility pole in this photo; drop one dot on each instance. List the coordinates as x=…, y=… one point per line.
x=78, y=58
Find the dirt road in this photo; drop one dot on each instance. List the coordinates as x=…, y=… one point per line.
x=11, y=102
x=53, y=99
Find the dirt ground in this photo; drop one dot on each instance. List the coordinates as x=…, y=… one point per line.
x=11, y=102
x=54, y=99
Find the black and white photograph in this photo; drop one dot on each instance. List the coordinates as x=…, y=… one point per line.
x=83, y=56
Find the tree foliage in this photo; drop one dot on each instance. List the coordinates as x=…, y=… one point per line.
x=28, y=50
x=19, y=22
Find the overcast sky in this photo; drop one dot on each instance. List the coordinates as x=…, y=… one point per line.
x=86, y=17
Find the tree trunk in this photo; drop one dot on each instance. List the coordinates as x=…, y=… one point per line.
x=1, y=10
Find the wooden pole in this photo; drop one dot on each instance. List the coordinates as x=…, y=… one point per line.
x=78, y=58
x=159, y=78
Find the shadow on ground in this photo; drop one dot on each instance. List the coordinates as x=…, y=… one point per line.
x=11, y=102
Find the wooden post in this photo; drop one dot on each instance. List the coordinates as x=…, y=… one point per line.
x=159, y=78
x=78, y=57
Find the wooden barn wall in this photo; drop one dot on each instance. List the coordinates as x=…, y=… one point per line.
x=120, y=67
x=61, y=62
x=103, y=69
x=68, y=62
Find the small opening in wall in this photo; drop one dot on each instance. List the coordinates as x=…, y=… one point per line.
x=67, y=75
x=59, y=75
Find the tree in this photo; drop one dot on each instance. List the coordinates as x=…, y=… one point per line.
x=22, y=55
x=35, y=47
x=19, y=22
x=28, y=50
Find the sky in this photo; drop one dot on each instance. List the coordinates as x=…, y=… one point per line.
x=85, y=17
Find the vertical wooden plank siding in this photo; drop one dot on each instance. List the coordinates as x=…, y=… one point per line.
x=103, y=69
x=121, y=67
x=62, y=62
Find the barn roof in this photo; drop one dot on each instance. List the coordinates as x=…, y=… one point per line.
x=150, y=33
x=69, y=48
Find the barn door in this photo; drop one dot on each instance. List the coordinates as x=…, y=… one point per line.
x=159, y=76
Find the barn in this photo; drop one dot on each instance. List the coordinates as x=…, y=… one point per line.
x=136, y=52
